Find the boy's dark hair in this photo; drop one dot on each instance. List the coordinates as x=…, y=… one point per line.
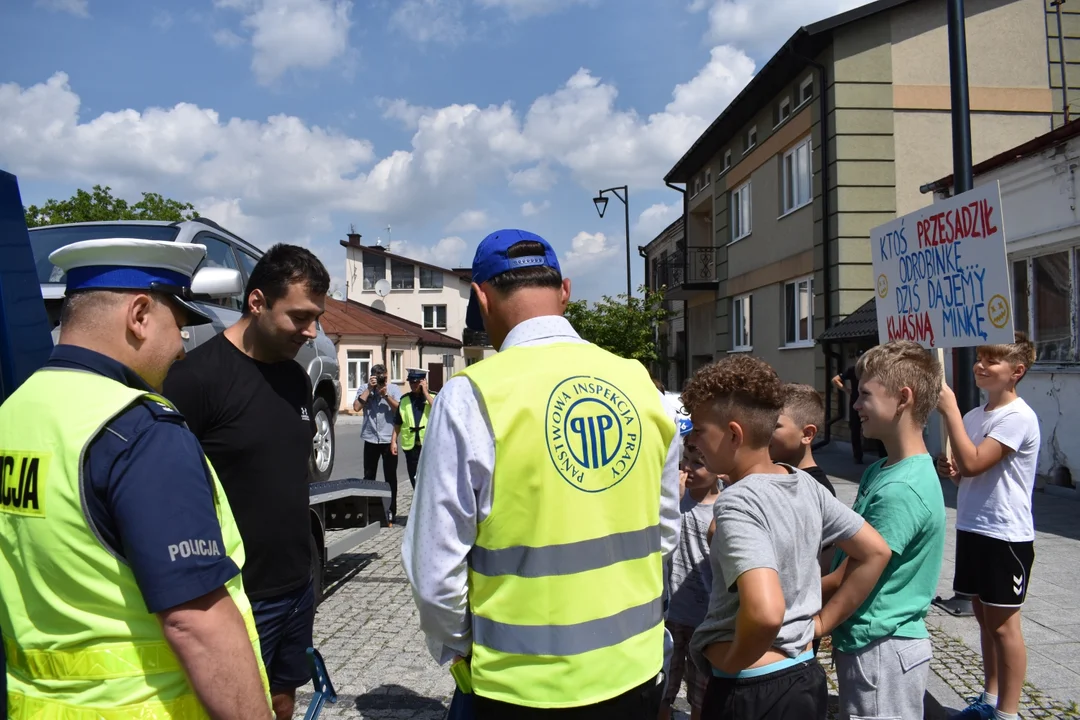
x=902, y=364
x=536, y=276
x=745, y=389
x=1019, y=352
x=803, y=404
x=282, y=266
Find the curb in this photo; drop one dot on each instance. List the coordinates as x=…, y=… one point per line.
x=941, y=701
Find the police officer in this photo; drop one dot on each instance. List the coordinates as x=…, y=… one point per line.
x=120, y=588
x=410, y=423
x=548, y=497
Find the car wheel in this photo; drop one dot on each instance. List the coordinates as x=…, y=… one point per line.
x=323, y=447
x=316, y=571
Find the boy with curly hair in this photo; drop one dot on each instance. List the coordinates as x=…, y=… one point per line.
x=765, y=608
x=882, y=652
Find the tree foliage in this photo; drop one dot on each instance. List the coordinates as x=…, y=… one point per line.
x=624, y=328
x=100, y=205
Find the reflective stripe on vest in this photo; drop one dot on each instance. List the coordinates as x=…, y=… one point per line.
x=78, y=637
x=565, y=576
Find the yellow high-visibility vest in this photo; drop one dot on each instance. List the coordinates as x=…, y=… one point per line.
x=566, y=578
x=406, y=435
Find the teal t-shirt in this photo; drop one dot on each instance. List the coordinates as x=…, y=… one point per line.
x=904, y=503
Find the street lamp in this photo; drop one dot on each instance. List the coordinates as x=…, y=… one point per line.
x=600, y=201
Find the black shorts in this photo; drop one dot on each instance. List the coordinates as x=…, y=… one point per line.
x=799, y=692
x=285, y=624
x=995, y=571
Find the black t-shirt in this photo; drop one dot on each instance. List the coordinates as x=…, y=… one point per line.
x=254, y=422
x=823, y=480
x=850, y=377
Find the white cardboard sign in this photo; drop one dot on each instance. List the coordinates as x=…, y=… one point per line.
x=941, y=273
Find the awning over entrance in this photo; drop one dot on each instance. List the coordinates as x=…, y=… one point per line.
x=859, y=325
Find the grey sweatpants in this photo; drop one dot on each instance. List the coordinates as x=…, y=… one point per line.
x=885, y=680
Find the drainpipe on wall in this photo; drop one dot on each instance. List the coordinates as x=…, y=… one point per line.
x=386, y=352
x=823, y=105
x=685, y=305
x=1061, y=58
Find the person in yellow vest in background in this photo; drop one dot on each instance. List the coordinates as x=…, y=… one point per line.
x=410, y=421
x=546, y=502
x=120, y=587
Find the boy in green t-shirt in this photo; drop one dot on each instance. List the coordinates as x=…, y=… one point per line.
x=882, y=651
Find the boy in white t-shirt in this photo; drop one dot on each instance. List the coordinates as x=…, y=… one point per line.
x=995, y=457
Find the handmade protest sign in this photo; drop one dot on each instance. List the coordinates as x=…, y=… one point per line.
x=941, y=273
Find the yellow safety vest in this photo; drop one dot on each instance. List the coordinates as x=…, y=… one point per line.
x=79, y=640
x=566, y=576
x=406, y=435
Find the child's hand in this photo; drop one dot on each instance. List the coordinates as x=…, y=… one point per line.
x=947, y=468
x=947, y=398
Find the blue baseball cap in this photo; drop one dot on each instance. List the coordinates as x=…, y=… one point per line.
x=492, y=259
x=684, y=425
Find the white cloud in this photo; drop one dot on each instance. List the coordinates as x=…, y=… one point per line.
x=763, y=26
x=469, y=220
x=539, y=178
x=430, y=20
x=227, y=38
x=653, y=219
x=449, y=252
x=588, y=251
x=400, y=110
x=530, y=208
x=286, y=34
x=79, y=8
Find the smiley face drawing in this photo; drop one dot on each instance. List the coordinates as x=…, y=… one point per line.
x=998, y=311
x=882, y=286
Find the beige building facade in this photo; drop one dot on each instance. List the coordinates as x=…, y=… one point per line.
x=782, y=203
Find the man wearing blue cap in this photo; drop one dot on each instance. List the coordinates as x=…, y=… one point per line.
x=410, y=421
x=548, y=497
x=119, y=557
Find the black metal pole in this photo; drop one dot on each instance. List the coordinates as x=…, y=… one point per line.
x=626, y=206
x=967, y=395
x=1061, y=58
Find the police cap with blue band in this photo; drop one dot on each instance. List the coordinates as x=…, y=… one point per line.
x=155, y=266
x=492, y=258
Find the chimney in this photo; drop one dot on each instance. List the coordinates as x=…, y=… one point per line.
x=354, y=237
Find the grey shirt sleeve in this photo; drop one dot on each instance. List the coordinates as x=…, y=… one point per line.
x=742, y=541
x=838, y=521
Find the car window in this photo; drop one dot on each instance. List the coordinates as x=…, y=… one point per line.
x=45, y=240
x=248, y=261
x=219, y=253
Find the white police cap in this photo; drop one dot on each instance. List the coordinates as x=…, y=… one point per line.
x=130, y=264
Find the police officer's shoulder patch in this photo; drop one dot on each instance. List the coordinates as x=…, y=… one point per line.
x=593, y=432
x=162, y=409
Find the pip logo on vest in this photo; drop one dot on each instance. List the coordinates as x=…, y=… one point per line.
x=593, y=433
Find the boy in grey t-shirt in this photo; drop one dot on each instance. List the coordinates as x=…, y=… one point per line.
x=771, y=522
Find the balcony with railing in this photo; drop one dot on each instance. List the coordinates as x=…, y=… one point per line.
x=689, y=271
x=475, y=338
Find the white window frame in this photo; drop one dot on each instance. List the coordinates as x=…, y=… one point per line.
x=397, y=365
x=1072, y=359
x=750, y=144
x=786, y=177
x=746, y=226
x=708, y=177
x=362, y=360
x=727, y=160
x=742, y=306
x=780, y=116
x=797, y=284
x=807, y=82
x=434, y=317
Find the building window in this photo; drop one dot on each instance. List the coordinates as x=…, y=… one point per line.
x=806, y=90
x=798, y=176
x=402, y=275
x=783, y=110
x=741, y=324
x=470, y=360
x=374, y=270
x=448, y=365
x=727, y=160
x=708, y=177
x=430, y=279
x=397, y=361
x=1045, y=303
x=434, y=317
x=697, y=186
x=358, y=370
x=799, y=312
x=751, y=139
x=740, y=213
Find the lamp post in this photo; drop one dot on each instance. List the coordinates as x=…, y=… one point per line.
x=601, y=201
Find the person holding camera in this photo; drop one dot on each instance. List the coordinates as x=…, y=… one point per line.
x=379, y=402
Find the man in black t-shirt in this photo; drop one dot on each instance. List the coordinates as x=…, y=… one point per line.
x=248, y=402
x=848, y=382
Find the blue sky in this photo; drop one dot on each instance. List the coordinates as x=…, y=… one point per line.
x=287, y=120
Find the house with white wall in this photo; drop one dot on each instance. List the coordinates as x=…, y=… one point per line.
x=1039, y=189
x=435, y=298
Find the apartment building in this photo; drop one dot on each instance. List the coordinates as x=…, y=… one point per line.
x=834, y=136
x=662, y=257
x=435, y=298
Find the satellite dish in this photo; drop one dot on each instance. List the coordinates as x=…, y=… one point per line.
x=338, y=295
x=382, y=288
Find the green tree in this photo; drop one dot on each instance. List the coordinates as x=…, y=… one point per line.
x=99, y=204
x=624, y=328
